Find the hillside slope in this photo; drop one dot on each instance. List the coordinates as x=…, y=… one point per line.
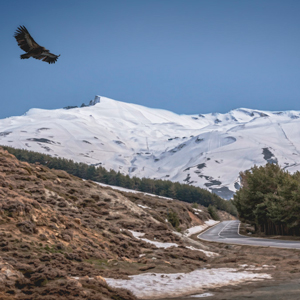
x=65, y=238
x=54, y=226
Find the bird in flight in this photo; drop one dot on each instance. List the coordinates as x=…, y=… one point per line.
x=32, y=48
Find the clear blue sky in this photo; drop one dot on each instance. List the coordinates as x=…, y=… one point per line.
x=187, y=56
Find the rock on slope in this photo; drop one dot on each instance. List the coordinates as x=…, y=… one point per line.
x=58, y=231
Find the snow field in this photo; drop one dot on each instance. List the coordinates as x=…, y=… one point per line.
x=156, y=285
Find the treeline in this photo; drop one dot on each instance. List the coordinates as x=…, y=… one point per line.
x=183, y=192
x=270, y=200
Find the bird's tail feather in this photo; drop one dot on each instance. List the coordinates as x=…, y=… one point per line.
x=24, y=56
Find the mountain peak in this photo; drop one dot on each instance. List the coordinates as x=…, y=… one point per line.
x=207, y=150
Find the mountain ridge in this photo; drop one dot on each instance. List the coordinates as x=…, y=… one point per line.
x=206, y=150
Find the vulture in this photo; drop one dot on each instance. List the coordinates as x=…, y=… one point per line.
x=32, y=48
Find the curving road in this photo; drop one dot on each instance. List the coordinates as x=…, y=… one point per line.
x=228, y=232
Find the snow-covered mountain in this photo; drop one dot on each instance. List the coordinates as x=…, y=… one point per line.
x=206, y=150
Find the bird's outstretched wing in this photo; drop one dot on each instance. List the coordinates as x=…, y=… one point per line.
x=33, y=49
x=25, y=40
x=47, y=57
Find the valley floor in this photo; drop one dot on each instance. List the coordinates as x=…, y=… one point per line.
x=276, y=276
x=284, y=270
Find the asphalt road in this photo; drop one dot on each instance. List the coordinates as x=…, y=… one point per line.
x=228, y=232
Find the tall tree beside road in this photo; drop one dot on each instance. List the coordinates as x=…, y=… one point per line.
x=270, y=200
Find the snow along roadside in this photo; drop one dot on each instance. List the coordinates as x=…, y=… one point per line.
x=200, y=228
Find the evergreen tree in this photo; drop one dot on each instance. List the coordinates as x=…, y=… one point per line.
x=213, y=212
x=270, y=200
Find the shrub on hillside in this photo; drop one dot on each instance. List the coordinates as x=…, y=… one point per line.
x=173, y=219
x=213, y=212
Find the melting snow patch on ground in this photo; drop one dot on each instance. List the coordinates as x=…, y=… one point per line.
x=256, y=268
x=202, y=295
x=207, y=253
x=144, y=206
x=138, y=235
x=156, y=285
x=118, y=188
x=200, y=228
